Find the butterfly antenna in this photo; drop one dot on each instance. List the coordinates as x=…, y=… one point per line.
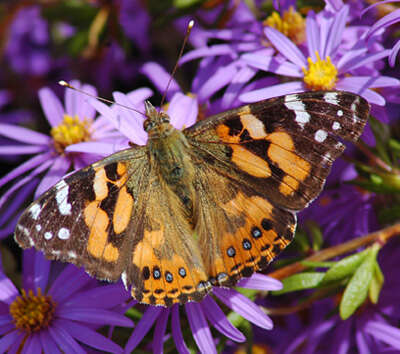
x=185, y=39
x=66, y=84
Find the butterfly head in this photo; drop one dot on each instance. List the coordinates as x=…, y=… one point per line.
x=157, y=124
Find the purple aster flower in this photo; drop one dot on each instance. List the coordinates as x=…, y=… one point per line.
x=70, y=125
x=201, y=315
x=57, y=313
x=328, y=66
x=27, y=46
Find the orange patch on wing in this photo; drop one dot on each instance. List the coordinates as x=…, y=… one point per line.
x=288, y=185
x=282, y=152
x=254, y=126
x=123, y=210
x=111, y=253
x=121, y=168
x=223, y=132
x=97, y=221
x=249, y=162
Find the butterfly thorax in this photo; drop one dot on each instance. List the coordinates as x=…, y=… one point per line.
x=169, y=156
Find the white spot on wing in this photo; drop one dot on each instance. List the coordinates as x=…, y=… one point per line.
x=124, y=278
x=339, y=113
x=336, y=125
x=72, y=254
x=61, y=197
x=63, y=234
x=35, y=210
x=320, y=135
x=55, y=252
x=294, y=103
x=48, y=235
x=331, y=97
x=38, y=227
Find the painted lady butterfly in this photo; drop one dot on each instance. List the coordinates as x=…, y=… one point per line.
x=196, y=208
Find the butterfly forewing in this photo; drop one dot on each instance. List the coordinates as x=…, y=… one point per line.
x=85, y=218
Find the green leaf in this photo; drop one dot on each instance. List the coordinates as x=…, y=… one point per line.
x=318, y=264
x=376, y=284
x=300, y=281
x=345, y=267
x=181, y=4
x=316, y=235
x=357, y=289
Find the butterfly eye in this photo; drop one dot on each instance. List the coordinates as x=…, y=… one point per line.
x=148, y=125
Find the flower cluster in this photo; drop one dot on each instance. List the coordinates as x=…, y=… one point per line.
x=339, y=286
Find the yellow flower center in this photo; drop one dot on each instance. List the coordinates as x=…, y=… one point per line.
x=72, y=130
x=291, y=24
x=32, y=312
x=321, y=75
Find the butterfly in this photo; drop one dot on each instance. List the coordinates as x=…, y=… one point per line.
x=197, y=208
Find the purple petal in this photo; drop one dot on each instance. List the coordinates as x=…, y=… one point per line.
x=286, y=47
x=90, y=337
x=363, y=60
x=32, y=345
x=242, y=77
x=362, y=344
x=28, y=269
x=5, y=320
x=177, y=331
x=26, y=166
x=8, y=290
x=23, y=181
x=385, y=21
x=198, y=325
x=335, y=32
x=312, y=34
x=21, y=150
x=63, y=339
x=183, y=110
x=59, y=168
x=139, y=95
x=52, y=107
x=272, y=91
x=159, y=331
x=160, y=78
x=99, y=297
x=270, y=64
x=23, y=135
x=244, y=307
x=393, y=54
x=218, y=80
x=143, y=327
x=91, y=315
x=98, y=148
x=76, y=103
x=384, y=332
x=260, y=282
x=48, y=343
x=41, y=271
x=128, y=122
x=15, y=346
x=212, y=51
x=9, y=339
x=348, y=57
x=218, y=319
x=69, y=281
